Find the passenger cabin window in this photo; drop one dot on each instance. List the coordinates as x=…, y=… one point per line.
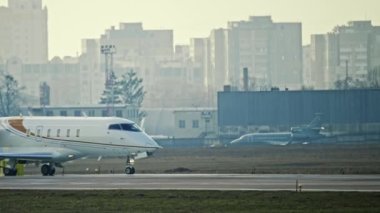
x=38, y=133
x=125, y=127
x=78, y=132
x=68, y=133
x=28, y=132
x=48, y=133
x=58, y=132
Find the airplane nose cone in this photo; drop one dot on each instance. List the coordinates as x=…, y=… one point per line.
x=235, y=141
x=153, y=143
x=156, y=145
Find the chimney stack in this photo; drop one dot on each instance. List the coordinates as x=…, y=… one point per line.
x=245, y=78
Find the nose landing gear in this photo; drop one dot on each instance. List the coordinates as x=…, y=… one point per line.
x=129, y=169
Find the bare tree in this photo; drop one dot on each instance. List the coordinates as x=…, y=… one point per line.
x=374, y=77
x=10, y=95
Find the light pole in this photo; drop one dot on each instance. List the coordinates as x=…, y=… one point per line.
x=108, y=51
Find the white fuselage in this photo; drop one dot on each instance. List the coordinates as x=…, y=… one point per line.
x=69, y=138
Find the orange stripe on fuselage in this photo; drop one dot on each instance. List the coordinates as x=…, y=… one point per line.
x=17, y=123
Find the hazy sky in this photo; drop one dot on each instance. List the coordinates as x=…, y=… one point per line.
x=72, y=20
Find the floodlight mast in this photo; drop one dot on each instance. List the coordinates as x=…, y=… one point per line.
x=108, y=51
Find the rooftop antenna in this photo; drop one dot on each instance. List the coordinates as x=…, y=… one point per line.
x=346, y=80
x=108, y=51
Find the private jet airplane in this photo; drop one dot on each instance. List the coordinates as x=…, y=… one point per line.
x=304, y=134
x=55, y=140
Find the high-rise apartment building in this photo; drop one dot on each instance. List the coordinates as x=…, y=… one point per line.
x=272, y=52
x=23, y=32
x=349, y=51
x=132, y=42
x=139, y=50
x=218, y=57
x=92, y=77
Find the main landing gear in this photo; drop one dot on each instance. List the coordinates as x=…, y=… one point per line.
x=48, y=169
x=129, y=169
x=9, y=171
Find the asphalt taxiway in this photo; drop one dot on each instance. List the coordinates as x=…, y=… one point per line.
x=273, y=182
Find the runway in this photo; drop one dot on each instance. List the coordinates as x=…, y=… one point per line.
x=261, y=182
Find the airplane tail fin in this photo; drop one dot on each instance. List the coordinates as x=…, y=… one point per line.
x=316, y=122
x=142, y=123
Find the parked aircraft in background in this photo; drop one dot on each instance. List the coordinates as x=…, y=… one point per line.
x=55, y=140
x=302, y=134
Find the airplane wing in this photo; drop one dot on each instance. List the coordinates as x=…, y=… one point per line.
x=278, y=143
x=27, y=155
x=38, y=154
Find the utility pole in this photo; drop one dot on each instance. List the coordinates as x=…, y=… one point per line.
x=346, y=81
x=108, y=51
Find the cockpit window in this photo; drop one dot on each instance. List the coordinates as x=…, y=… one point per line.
x=115, y=127
x=130, y=127
x=126, y=127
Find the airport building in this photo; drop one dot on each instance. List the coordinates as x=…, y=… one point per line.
x=350, y=111
x=24, y=32
x=195, y=123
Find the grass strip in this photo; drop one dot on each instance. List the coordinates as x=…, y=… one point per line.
x=186, y=201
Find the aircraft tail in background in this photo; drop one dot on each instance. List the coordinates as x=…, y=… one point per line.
x=316, y=122
x=310, y=131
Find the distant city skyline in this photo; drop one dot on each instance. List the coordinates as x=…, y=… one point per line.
x=70, y=21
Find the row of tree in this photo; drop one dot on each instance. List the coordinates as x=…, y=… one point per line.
x=372, y=81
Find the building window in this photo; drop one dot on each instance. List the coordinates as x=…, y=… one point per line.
x=91, y=113
x=63, y=113
x=119, y=113
x=182, y=124
x=104, y=113
x=49, y=113
x=68, y=133
x=195, y=123
x=77, y=113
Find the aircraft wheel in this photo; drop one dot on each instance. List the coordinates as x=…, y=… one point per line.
x=52, y=171
x=9, y=171
x=129, y=170
x=45, y=170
